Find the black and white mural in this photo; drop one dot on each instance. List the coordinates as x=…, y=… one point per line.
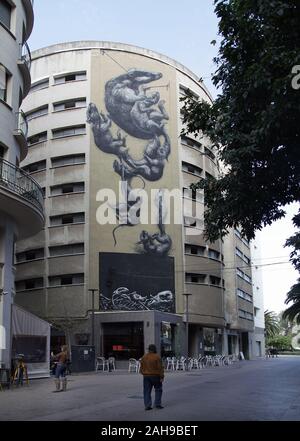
x=132, y=282
x=133, y=106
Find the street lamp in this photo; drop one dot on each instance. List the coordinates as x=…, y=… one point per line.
x=93, y=290
x=187, y=323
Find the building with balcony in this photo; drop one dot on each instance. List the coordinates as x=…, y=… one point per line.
x=104, y=144
x=21, y=198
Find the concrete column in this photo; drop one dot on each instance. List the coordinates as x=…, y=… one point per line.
x=224, y=342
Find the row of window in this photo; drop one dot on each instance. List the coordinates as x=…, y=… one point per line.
x=73, y=187
x=193, y=194
x=243, y=256
x=58, y=79
x=38, y=283
x=59, y=161
x=5, y=13
x=244, y=295
x=57, y=133
x=245, y=314
x=65, y=219
x=242, y=238
x=57, y=107
x=59, y=250
x=5, y=83
x=198, y=146
x=243, y=275
x=199, y=250
x=202, y=279
x=191, y=222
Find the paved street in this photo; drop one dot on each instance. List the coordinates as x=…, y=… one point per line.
x=267, y=389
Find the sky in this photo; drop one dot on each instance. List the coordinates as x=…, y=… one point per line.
x=182, y=30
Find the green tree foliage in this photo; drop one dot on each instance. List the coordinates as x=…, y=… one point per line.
x=283, y=342
x=272, y=327
x=292, y=313
x=254, y=123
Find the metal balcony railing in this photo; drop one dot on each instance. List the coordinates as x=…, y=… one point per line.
x=25, y=55
x=18, y=181
x=21, y=124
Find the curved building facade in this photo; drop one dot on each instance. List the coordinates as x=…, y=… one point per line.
x=21, y=198
x=105, y=144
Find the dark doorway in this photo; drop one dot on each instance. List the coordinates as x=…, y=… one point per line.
x=245, y=344
x=123, y=340
x=57, y=340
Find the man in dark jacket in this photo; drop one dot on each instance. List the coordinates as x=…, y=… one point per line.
x=153, y=371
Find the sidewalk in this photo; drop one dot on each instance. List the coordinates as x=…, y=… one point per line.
x=247, y=390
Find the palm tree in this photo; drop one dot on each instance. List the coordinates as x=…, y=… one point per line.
x=293, y=312
x=271, y=324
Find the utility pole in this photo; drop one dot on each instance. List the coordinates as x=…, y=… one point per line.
x=187, y=323
x=93, y=290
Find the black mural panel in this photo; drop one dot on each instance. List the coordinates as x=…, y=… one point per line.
x=134, y=282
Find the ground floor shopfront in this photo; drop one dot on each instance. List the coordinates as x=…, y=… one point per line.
x=127, y=334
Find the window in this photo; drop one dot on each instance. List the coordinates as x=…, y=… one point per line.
x=66, y=279
x=213, y=254
x=35, y=139
x=65, y=219
x=193, y=194
x=190, y=222
x=239, y=235
x=209, y=153
x=23, y=285
x=245, y=314
x=191, y=143
x=68, y=131
x=185, y=91
x=64, y=250
x=4, y=80
x=37, y=112
x=243, y=275
x=74, y=187
x=190, y=168
x=38, y=85
x=30, y=255
x=5, y=13
x=243, y=295
x=215, y=280
x=76, y=76
x=245, y=258
x=239, y=253
x=195, y=278
x=35, y=166
x=68, y=160
x=70, y=104
x=193, y=223
x=194, y=249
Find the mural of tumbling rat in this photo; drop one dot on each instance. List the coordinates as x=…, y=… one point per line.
x=143, y=116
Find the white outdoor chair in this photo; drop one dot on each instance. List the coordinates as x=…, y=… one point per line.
x=202, y=362
x=110, y=362
x=209, y=360
x=134, y=365
x=100, y=363
x=180, y=364
x=171, y=363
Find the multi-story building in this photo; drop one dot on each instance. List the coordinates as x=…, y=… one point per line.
x=21, y=199
x=258, y=298
x=239, y=294
x=104, y=119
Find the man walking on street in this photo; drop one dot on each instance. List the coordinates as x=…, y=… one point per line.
x=153, y=371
